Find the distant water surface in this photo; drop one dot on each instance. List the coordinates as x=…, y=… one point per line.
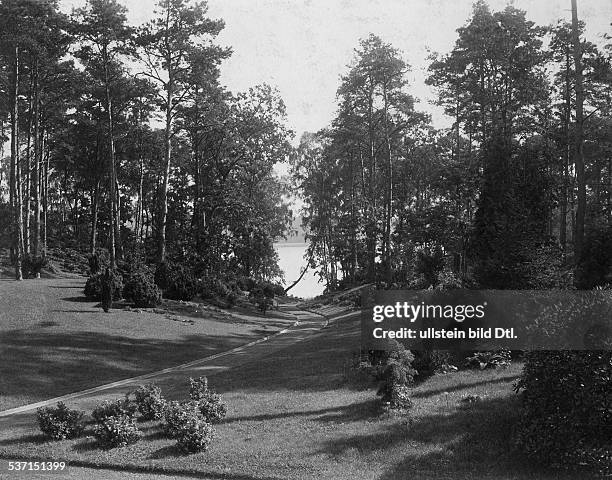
x=291, y=261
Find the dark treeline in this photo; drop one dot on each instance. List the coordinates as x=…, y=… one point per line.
x=516, y=194
x=122, y=137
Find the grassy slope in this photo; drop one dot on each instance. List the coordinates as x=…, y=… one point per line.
x=292, y=416
x=54, y=341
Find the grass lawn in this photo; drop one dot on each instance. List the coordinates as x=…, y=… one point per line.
x=292, y=416
x=55, y=341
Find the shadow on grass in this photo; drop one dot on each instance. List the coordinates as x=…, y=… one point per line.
x=42, y=363
x=465, y=443
x=463, y=386
x=34, y=438
x=80, y=299
x=147, y=470
x=354, y=412
x=48, y=324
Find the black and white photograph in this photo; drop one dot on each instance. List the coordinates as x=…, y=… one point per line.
x=306, y=239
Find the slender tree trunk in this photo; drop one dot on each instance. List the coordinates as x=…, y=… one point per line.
x=139, y=209
x=28, y=165
x=112, y=171
x=579, y=138
x=37, y=164
x=566, y=155
x=94, y=218
x=389, y=199
x=163, y=217
x=15, y=180
x=45, y=202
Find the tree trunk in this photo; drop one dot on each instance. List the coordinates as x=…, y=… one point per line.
x=389, y=196
x=112, y=171
x=94, y=218
x=579, y=138
x=37, y=163
x=163, y=216
x=28, y=166
x=45, y=201
x=566, y=155
x=15, y=177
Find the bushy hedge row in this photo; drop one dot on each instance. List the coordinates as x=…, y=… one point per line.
x=136, y=282
x=189, y=422
x=566, y=418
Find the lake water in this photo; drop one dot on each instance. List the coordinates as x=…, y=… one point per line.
x=291, y=261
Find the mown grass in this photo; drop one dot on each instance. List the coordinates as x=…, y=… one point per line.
x=292, y=415
x=55, y=341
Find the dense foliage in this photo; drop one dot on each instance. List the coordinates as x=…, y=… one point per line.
x=141, y=289
x=500, y=198
x=150, y=401
x=567, y=409
x=60, y=422
x=87, y=168
x=117, y=431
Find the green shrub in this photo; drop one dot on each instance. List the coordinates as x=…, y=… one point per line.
x=246, y=283
x=93, y=286
x=394, y=368
x=178, y=414
x=60, y=422
x=399, y=397
x=272, y=290
x=122, y=407
x=566, y=417
x=595, y=266
x=150, y=401
x=32, y=265
x=195, y=435
x=428, y=362
x=231, y=299
x=261, y=298
x=484, y=360
x=141, y=290
x=175, y=281
x=117, y=431
x=214, y=287
x=208, y=401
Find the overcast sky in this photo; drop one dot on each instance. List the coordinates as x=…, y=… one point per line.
x=303, y=46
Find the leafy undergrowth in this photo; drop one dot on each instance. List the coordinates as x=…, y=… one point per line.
x=62, y=263
x=292, y=416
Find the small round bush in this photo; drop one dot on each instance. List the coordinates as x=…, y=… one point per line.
x=122, y=407
x=150, y=401
x=566, y=419
x=141, y=290
x=60, y=422
x=175, y=281
x=178, y=414
x=93, y=286
x=117, y=431
x=195, y=435
x=208, y=401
